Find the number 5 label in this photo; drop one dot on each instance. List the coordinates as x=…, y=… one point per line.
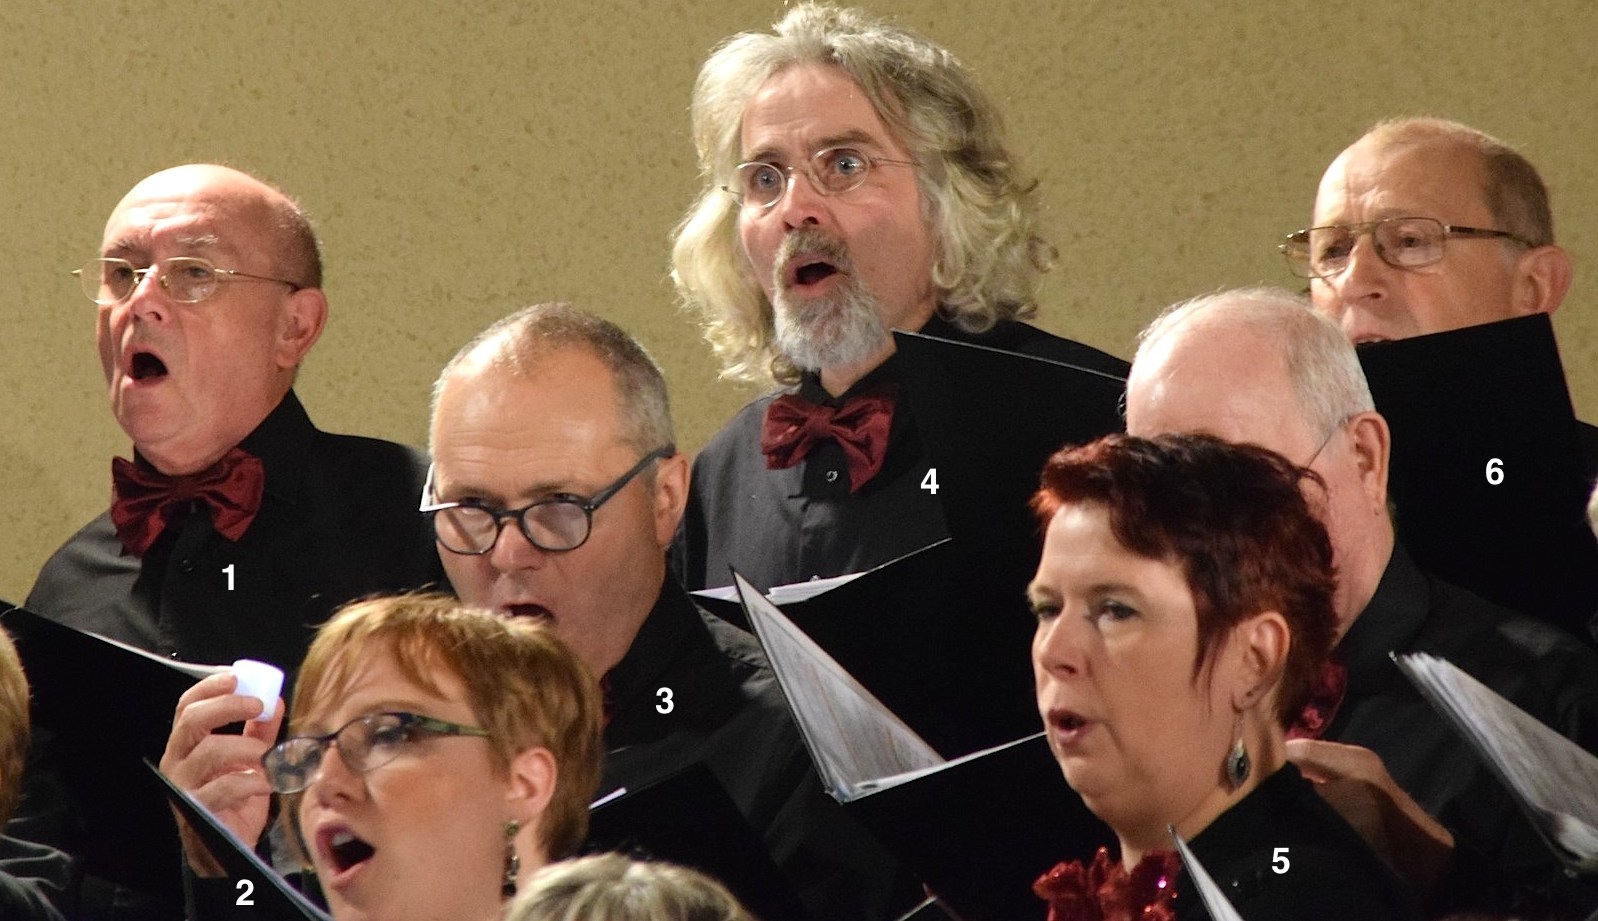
x=1279, y=861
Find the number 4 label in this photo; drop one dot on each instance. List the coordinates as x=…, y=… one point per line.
x=930, y=481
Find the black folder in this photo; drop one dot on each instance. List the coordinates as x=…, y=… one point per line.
x=98, y=711
x=922, y=634
x=688, y=818
x=261, y=893
x=979, y=832
x=1488, y=475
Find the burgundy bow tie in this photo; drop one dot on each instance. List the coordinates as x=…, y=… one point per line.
x=794, y=425
x=144, y=500
x=1324, y=698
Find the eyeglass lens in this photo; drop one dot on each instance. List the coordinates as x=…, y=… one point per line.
x=186, y=279
x=834, y=170
x=1400, y=242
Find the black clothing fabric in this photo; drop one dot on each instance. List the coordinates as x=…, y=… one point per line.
x=728, y=711
x=20, y=901
x=338, y=521
x=1282, y=854
x=802, y=522
x=1552, y=676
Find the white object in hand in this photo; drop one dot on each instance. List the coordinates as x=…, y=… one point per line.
x=261, y=681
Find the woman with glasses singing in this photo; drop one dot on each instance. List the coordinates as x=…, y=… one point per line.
x=437, y=756
x=1184, y=611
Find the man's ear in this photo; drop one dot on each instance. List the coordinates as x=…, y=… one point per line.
x=1542, y=277
x=303, y=318
x=1261, y=643
x=671, y=496
x=1372, y=444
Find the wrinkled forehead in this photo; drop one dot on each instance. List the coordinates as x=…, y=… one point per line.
x=1380, y=177
x=196, y=207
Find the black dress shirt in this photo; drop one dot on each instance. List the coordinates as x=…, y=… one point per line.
x=337, y=521
x=1282, y=854
x=728, y=712
x=1550, y=675
x=803, y=522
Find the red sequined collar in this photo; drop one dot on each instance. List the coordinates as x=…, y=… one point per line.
x=1106, y=892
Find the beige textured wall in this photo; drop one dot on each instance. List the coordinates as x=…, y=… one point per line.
x=464, y=159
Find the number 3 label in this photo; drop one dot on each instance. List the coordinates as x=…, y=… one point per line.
x=665, y=705
x=1279, y=861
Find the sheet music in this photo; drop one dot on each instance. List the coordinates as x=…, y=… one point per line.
x=783, y=594
x=853, y=738
x=1553, y=777
x=1215, y=901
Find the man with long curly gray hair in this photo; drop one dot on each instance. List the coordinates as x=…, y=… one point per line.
x=856, y=181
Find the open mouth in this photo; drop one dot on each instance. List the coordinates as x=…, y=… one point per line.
x=1067, y=721
x=345, y=851
x=527, y=610
x=812, y=272
x=145, y=366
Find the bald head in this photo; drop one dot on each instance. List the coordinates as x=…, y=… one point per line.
x=278, y=219
x=1259, y=366
x=190, y=379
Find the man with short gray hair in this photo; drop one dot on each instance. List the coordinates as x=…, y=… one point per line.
x=1259, y=366
x=556, y=488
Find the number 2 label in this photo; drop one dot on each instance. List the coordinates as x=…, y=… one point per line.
x=246, y=893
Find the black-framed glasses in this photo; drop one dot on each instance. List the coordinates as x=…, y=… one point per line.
x=1401, y=242
x=556, y=524
x=832, y=171
x=364, y=743
x=187, y=279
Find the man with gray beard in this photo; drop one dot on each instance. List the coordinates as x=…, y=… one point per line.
x=856, y=182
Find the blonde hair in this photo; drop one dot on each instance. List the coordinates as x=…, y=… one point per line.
x=15, y=730
x=524, y=686
x=981, y=208
x=610, y=887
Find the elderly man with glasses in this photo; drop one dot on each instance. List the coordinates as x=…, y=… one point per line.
x=855, y=181
x=237, y=526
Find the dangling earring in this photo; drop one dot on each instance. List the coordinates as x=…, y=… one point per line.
x=1237, y=763
x=513, y=861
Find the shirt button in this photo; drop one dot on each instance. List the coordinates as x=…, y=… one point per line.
x=186, y=566
x=832, y=476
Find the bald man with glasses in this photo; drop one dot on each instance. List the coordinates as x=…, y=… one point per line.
x=237, y=525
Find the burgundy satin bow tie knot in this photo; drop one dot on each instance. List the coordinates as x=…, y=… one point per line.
x=794, y=425
x=143, y=501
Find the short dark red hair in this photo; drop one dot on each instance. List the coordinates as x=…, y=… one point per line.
x=1233, y=517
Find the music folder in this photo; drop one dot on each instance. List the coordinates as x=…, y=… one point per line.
x=1488, y=476
x=688, y=818
x=261, y=892
x=978, y=830
x=99, y=709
